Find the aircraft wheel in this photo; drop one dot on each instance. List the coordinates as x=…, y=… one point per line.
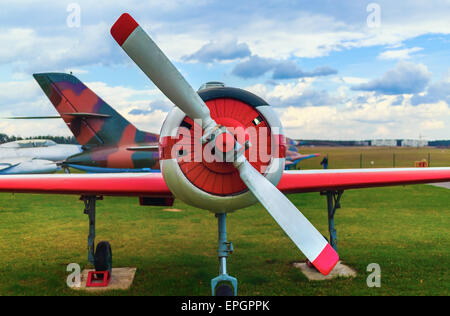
x=103, y=257
x=224, y=290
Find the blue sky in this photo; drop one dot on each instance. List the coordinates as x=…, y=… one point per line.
x=332, y=69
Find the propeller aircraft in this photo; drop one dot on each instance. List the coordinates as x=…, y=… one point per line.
x=207, y=149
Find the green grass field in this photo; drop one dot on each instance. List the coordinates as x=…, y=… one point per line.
x=403, y=229
x=382, y=157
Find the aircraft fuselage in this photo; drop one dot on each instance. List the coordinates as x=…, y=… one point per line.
x=121, y=157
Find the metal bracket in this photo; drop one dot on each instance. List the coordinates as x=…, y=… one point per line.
x=225, y=249
x=333, y=203
x=89, y=209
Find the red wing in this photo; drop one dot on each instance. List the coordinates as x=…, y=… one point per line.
x=125, y=184
x=340, y=179
x=153, y=185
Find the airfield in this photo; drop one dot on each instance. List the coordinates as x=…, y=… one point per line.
x=403, y=229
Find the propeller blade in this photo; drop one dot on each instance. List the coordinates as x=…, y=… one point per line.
x=305, y=236
x=152, y=61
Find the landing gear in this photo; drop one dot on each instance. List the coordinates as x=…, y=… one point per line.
x=333, y=203
x=102, y=257
x=223, y=285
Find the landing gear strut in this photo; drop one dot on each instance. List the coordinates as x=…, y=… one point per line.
x=220, y=285
x=103, y=256
x=333, y=203
x=89, y=210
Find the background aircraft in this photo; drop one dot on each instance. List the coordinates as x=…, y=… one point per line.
x=293, y=157
x=110, y=143
x=34, y=156
x=220, y=187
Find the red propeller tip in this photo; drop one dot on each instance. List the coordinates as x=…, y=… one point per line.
x=326, y=260
x=123, y=27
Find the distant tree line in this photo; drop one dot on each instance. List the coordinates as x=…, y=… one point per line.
x=439, y=143
x=57, y=139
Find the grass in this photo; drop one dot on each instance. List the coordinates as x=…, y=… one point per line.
x=403, y=229
x=374, y=157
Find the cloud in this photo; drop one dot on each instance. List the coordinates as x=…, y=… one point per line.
x=254, y=67
x=257, y=66
x=399, y=53
x=280, y=30
x=29, y=50
x=309, y=97
x=273, y=33
x=139, y=112
x=219, y=51
x=374, y=119
x=432, y=125
x=438, y=91
x=299, y=94
x=289, y=70
x=405, y=78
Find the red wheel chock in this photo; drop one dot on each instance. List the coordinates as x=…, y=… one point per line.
x=98, y=279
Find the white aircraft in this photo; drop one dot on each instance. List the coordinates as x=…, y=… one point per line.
x=34, y=156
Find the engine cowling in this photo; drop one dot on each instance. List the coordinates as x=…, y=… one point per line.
x=191, y=169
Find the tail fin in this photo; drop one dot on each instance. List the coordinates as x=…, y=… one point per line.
x=91, y=120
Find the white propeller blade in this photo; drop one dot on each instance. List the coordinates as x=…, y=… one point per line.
x=305, y=236
x=147, y=55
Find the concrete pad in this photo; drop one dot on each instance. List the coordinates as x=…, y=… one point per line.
x=442, y=185
x=121, y=279
x=340, y=270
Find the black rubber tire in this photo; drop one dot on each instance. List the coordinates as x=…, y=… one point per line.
x=224, y=290
x=103, y=257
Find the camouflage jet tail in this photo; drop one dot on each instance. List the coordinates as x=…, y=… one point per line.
x=92, y=121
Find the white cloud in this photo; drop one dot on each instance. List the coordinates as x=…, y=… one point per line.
x=399, y=53
x=432, y=125
x=375, y=118
x=406, y=77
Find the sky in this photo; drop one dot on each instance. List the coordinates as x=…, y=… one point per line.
x=342, y=70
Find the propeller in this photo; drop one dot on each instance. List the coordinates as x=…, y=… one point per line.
x=152, y=61
x=147, y=55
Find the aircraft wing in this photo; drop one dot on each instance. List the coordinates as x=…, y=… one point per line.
x=153, y=184
x=112, y=184
x=299, y=181
x=7, y=165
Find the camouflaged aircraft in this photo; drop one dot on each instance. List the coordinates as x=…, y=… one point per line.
x=110, y=143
